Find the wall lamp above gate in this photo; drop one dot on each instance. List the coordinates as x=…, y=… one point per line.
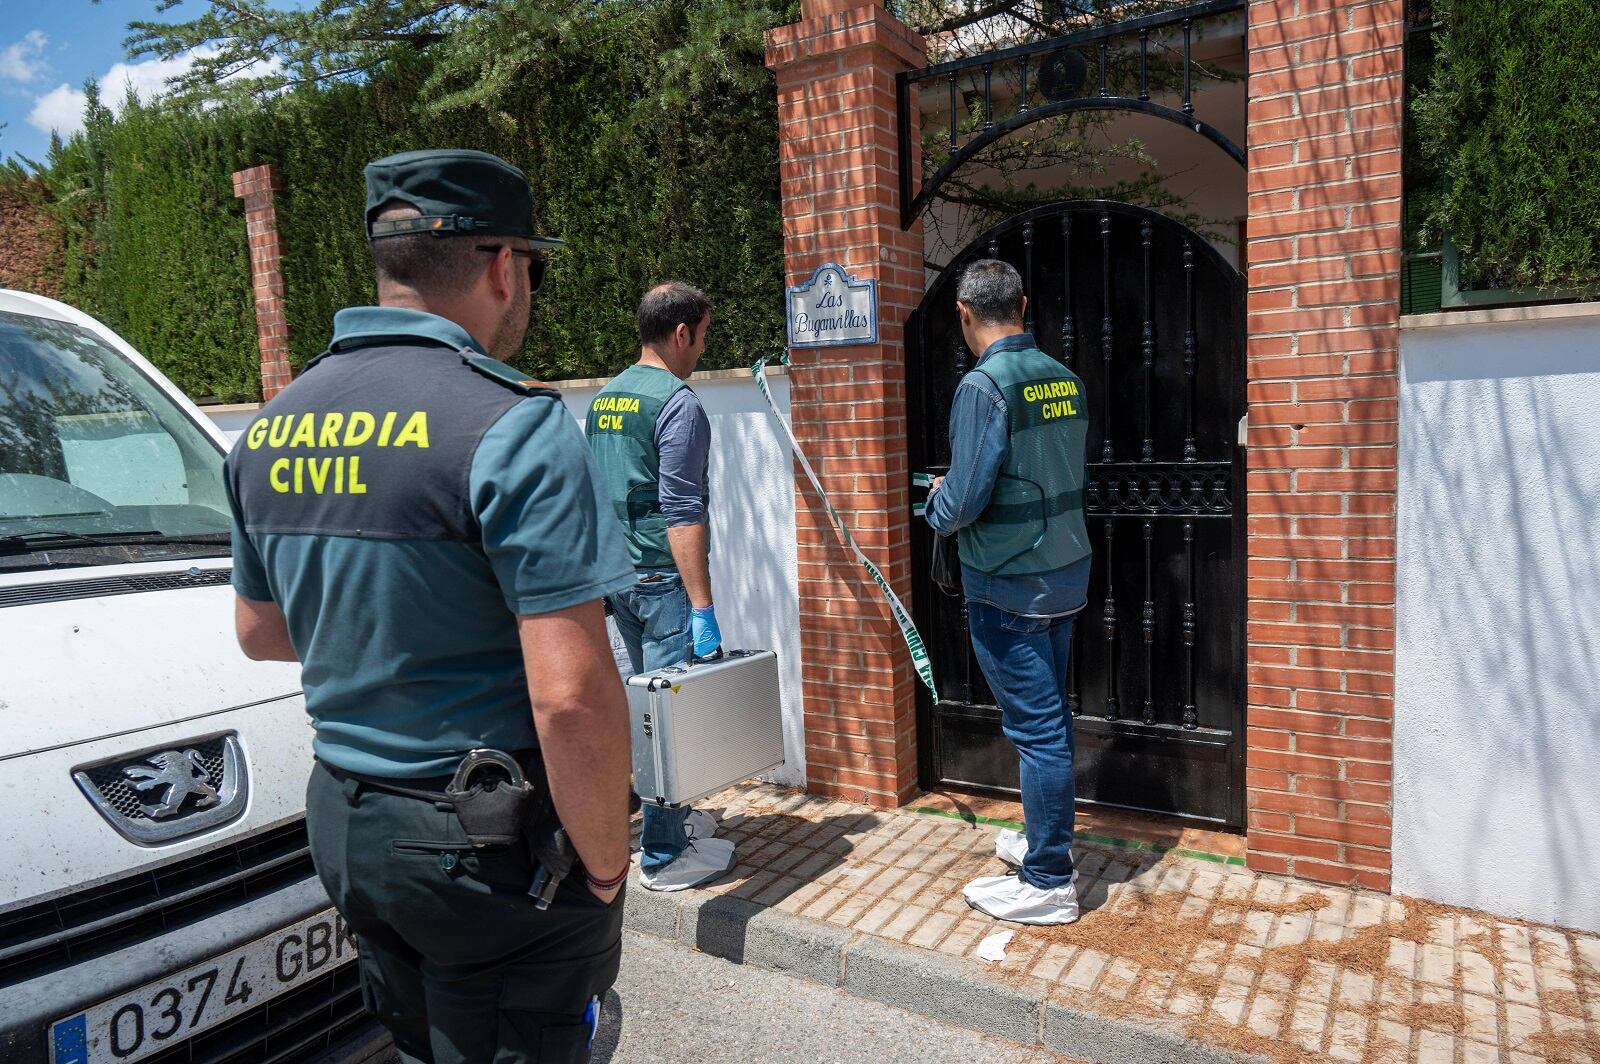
x=1060, y=72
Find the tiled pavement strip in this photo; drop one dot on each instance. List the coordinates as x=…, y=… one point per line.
x=1182, y=959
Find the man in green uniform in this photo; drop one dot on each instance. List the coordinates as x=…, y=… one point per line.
x=1014, y=496
x=652, y=445
x=419, y=526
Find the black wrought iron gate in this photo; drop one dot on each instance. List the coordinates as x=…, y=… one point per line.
x=1151, y=317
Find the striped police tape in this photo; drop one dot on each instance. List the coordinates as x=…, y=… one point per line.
x=908, y=630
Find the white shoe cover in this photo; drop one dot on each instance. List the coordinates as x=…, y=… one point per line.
x=702, y=861
x=1009, y=898
x=700, y=825
x=1011, y=846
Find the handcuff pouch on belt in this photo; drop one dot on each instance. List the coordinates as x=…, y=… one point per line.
x=499, y=812
x=493, y=811
x=496, y=812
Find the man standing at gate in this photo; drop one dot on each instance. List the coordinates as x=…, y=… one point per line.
x=652, y=444
x=419, y=526
x=1014, y=498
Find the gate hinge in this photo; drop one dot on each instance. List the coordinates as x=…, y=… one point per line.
x=1244, y=428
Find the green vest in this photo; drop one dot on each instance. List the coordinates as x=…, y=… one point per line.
x=622, y=433
x=1034, y=521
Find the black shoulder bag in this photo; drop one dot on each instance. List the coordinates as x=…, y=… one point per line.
x=946, y=567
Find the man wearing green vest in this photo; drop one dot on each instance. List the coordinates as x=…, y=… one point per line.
x=652, y=445
x=1014, y=496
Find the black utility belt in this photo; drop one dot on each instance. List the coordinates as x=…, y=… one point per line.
x=499, y=799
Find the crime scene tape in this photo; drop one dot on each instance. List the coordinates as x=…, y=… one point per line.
x=908, y=630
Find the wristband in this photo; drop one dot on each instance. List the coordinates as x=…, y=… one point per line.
x=606, y=884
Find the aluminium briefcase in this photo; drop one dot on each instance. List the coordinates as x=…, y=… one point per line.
x=700, y=728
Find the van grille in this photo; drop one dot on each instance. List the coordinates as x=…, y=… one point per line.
x=100, y=587
x=89, y=923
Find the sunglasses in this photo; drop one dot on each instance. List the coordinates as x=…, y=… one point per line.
x=536, y=263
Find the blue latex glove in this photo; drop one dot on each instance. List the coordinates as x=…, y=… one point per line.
x=703, y=626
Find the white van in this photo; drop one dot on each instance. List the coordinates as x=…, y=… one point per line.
x=157, y=900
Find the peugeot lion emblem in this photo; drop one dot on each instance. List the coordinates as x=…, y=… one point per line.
x=182, y=774
x=165, y=793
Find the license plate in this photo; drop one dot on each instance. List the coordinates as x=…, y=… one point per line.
x=136, y=1024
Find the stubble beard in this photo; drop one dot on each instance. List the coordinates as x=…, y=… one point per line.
x=513, y=327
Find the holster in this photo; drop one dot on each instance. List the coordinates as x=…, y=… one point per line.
x=552, y=851
x=501, y=808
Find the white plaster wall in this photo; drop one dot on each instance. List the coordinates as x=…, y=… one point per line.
x=755, y=577
x=232, y=420
x=754, y=569
x=1497, y=672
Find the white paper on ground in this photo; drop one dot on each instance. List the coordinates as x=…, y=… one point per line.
x=993, y=948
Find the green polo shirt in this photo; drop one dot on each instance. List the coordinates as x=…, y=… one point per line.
x=403, y=509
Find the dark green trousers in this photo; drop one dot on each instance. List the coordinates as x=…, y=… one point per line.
x=455, y=960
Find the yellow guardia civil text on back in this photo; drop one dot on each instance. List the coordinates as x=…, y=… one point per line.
x=607, y=410
x=331, y=474
x=1055, y=398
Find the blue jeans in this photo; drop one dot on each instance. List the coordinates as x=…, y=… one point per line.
x=1025, y=661
x=653, y=619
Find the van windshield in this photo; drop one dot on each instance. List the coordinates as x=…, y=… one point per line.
x=97, y=464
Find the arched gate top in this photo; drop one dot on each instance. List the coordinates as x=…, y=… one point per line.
x=1061, y=75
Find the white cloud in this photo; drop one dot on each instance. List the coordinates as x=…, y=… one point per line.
x=61, y=109
x=22, y=61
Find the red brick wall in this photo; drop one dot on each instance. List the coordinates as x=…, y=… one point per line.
x=1325, y=100
x=256, y=187
x=838, y=144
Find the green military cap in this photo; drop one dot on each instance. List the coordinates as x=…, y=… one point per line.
x=458, y=191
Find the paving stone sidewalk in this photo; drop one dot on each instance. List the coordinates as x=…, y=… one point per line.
x=1212, y=961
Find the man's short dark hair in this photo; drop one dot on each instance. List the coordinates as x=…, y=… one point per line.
x=669, y=305
x=992, y=290
x=435, y=265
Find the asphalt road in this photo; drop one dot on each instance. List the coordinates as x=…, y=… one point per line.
x=673, y=1005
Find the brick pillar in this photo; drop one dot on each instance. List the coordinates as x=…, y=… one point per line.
x=256, y=187
x=1325, y=107
x=837, y=144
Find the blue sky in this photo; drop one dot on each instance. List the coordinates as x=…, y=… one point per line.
x=49, y=47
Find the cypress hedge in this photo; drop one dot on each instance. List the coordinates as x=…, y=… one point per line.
x=1505, y=115
x=643, y=178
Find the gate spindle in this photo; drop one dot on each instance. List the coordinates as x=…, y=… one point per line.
x=1190, y=356
x=1108, y=618
x=966, y=621
x=1188, y=67
x=988, y=97
x=1069, y=338
x=1147, y=345
x=1105, y=335
x=1027, y=267
x=1190, y=717
x=1149, y=623
x=1022, y=98
x=1144, y=65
